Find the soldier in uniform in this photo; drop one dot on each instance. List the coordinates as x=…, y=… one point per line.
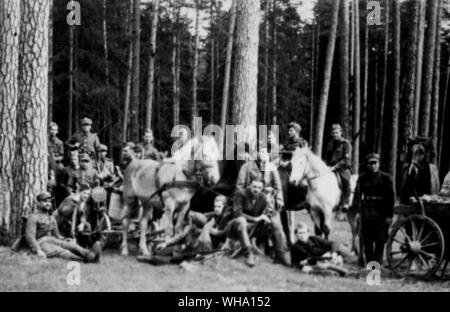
x=55, y=145
x=149, y=150
x=374, y=198
x=85, y=174
x=73, y=172
x=43, y=238
x=105, y=165
x=89, y=142
x=338, y=156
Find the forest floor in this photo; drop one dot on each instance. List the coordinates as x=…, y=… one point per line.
x=23, y=272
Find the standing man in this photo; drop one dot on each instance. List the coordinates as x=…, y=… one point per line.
x=105, y=165
x=149, y=151
x=89, y=142
x=339, y=157
x=374, y=198
x=55, y=145
x=84, y=175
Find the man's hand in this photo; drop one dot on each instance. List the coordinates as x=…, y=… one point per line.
x=80, y=227
x=264, y=218
x=41, y=254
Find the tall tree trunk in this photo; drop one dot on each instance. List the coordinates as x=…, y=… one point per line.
x=365, y=87
x=357, y=89
x=266, y=61
x=444, y=113
x=76, y=81
x=212, y=69
x=379, y=138
x=70, y=102
x=344, y=41
x=393, y=147
x=175, y=57
x=108, y=119
x=313, y=78
x=31, y=158
x=323, y=103
x=407, y=99
x=430, y=47
x=151, y=65
x=9, y=94
x=50, y=63
x=135, y=75
x=126, y=110
x=419, y=64
x=245, y=93
x=274, y=63
x=434, y=118
x=227, y=74
x=194, y=112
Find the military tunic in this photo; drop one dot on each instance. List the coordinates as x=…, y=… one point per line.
x=89, y=143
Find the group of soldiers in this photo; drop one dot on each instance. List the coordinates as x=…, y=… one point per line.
x=260, y=207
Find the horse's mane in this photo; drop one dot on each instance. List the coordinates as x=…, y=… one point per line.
x=197, y=145
x=317, y=165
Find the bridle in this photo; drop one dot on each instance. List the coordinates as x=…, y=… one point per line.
x=308, y=178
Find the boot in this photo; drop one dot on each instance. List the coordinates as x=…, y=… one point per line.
x=283, y=258
x=250, y=259
x=97, y=250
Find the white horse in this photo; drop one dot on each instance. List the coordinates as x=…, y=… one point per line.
x=324, y=192
x=143, y=178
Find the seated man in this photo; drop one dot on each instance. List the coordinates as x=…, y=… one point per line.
x=43, y=238
x=215, y=231
x=71, y=214
x=252, y=212
x=312, y=250
x=183, y=246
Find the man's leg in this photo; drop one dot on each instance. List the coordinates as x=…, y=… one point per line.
x=74, y=248
x=238, y=230
x=346, y=176
x=368, y=239
x=380, y=241
x=279, y=240
x=55, y=251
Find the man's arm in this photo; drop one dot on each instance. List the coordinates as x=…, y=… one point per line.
x=30, y=234
x=241, y=181
x=278, y=189
x=55, y=230
x=345, y=162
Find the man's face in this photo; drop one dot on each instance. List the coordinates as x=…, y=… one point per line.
x=103, y=155
x=336, y=134
x=53, y=131
x=218, y=208
x=84, y=164
x=373, y=166
x=183, y=135
x=74, y=159
x=302, y=235
x=256, y=187
x=148, y=138
x=127, y=153
x=263, y=154
x=84, y=196
x=86, y=128
x=45, y=204
x=292, y=133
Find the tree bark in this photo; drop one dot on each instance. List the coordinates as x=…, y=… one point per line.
x=323, y=103
x=151, y=65
x=108, y=119
x=227, y=74
x=379, y=138
x=274, y=63
x=407, y=99
x=419, y=64
x=313, y=82
x=245, y=93
x=212, y=61
x=357, y=90
x=266, y=61
x=444, y=113
x=135, y=73
x=70, y=102
x=430, y=48
x=31, y=158
x=393, y=148
x=175, y=63
x=344, y=66
x=365, y=79
x=9, y=94
x=434, y=118
x=194, y=112
x=126, y=110
x=50, y=63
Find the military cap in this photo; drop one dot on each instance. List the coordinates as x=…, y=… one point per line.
x=86, y=121
x=372, y=157
x=53, y=124
x=296, y=126
x=103, y=148
x=43, y=196
x=336, y=127
x=85, y=157
x=84, y=187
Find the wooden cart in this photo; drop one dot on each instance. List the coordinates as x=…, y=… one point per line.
x=419, y=241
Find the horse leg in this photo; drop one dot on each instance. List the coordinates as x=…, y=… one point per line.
x=125, y=226
x=183, y=209
x=326, y=224
x=143, y=225
x=291, y=221
x=316, y=218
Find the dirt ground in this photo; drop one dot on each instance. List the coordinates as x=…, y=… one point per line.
x=22, y=272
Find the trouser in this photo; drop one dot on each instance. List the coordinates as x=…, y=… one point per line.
x=239, y=229
x=54, y=247
x=375, y=235
x=345, y=175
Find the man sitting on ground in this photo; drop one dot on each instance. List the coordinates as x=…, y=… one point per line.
x=43, y=238
x=312, y=252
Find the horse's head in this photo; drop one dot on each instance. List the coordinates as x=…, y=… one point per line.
x=299, y=166
x=418, y=154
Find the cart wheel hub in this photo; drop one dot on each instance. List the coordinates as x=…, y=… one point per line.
x=415, y=247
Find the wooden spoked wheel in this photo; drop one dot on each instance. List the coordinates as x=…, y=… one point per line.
x=415, y=247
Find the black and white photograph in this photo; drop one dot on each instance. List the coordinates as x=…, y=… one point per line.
x=251, y=147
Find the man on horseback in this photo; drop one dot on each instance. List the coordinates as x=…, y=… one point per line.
x=149, y=151
x=338, y=157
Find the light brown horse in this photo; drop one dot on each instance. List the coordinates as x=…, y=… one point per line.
x=143, y=178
